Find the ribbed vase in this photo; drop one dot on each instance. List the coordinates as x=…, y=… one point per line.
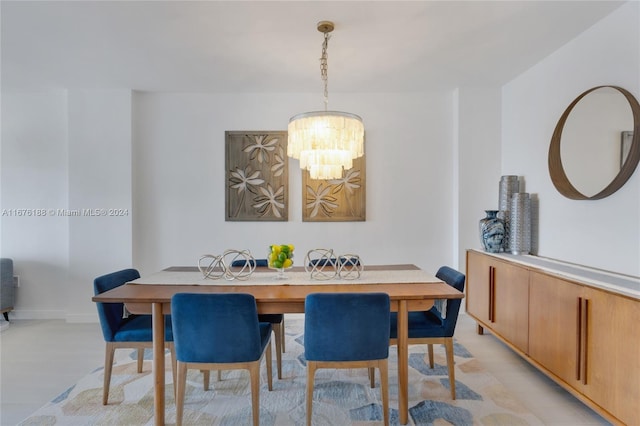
x=520, y=223
x=509, y=185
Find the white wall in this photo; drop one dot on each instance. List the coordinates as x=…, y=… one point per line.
x=100, y=240
x=479, y=115
x=65, y=153
x=161, y=157
x=179, y=179
x=603, y=233
x=34, y=173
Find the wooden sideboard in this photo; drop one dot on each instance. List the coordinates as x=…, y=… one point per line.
x=579, y=326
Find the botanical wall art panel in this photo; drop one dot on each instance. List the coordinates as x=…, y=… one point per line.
x=336, y=200
x=257, y=177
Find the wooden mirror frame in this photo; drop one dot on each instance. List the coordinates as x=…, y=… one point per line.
x=556, y=170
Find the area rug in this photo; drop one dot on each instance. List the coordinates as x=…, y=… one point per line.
x=341, y=397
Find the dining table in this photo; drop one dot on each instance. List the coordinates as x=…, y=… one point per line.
x=409, y=288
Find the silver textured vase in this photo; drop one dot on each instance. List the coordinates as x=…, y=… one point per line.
x=520, y=224
x=509, y=185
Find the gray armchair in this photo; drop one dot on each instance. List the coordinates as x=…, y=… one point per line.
x=6, y=287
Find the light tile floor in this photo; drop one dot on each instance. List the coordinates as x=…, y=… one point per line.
x=40, y=359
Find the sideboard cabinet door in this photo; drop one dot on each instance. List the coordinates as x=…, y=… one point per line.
x=498, y=297
x=589, y=339
x=511, y=292
x=613, y=354
x=478, y=298
x=554, y=319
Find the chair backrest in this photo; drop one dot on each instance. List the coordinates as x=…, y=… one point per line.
x=215, y=328
x=6, y=271
x=6, y=283
x=256, y=262
x=346, y=326
x=456, y=280
x=111, y=314
x=334, y=261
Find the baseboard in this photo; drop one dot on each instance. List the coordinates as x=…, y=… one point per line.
x=28, y=314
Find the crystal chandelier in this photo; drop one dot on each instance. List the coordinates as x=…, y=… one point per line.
x=325, y=142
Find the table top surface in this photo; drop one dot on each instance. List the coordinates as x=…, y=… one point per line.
x=401, y=282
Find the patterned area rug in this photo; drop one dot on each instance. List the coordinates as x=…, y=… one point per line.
x=341, y=397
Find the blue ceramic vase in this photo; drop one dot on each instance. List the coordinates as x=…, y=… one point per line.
x=492, y=232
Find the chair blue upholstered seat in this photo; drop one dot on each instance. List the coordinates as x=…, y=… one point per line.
x=347, y=330
x=219, y=332
x=125, y=331
x=276, y=320
x=432, y=326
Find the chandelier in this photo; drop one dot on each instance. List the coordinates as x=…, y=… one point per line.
x=325, y=142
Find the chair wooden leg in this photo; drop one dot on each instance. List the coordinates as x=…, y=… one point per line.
x=269, y=360
x=206, y=374
x=448, y=344
x=181, y=385
x=279, y=343
x=372, y=377
x=430, y=349
x=254, y=373
x=174, y=368
x=140, y=359
x=283, y=334
x=108, y=367
x=206, y=378
x=383, y=365
x=311, y=373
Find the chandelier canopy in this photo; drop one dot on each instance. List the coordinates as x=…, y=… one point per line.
x=325, y=142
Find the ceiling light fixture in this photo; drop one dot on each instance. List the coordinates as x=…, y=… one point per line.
x=325, y=142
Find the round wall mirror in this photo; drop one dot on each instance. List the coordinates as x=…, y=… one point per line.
x=595, y=147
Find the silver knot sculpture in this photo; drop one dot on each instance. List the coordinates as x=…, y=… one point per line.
x=220, y=266
x=322, y=264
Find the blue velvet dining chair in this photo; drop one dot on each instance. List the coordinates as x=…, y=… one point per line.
x=125, y=331
x=435, y=326
x=347, y=330
x=219, y=332
x=276, y=320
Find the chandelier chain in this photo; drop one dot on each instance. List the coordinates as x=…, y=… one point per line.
x=324, y=70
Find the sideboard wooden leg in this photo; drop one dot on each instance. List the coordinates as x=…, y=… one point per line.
x=479, y=329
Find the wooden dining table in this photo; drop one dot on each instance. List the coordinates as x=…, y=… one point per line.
x=409, y=288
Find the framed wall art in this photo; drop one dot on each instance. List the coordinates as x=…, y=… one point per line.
x=257, y=176
x=336, y=200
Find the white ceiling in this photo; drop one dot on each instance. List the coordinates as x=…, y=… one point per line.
x=273, y=46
